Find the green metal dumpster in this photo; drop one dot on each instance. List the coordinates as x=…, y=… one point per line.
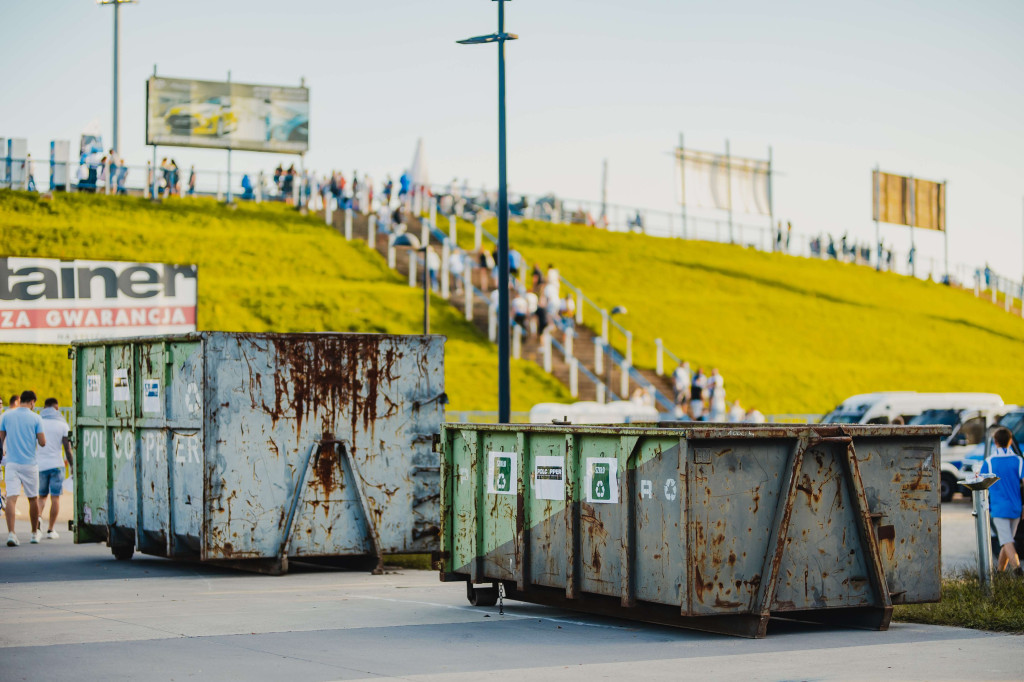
x=247, y=449
x=717, y=528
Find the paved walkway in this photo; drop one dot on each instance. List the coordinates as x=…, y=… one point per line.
x=73, y=612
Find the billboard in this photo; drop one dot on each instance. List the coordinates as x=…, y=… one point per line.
x=720, y=181
x=57, y=301
x=221, y=115
x=903, y=200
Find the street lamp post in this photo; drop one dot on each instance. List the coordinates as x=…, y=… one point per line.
x=117, y=41
x=504, y=374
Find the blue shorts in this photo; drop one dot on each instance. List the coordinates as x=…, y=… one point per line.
x=51, y=482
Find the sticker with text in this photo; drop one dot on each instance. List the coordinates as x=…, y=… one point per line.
x=502, y=472
x=549, y=477
x=602, y=484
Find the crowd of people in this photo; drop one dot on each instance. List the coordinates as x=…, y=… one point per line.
x=700, y=396
x=36, y=456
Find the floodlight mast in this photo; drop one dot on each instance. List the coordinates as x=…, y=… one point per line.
x=504, y=373
x=114, y=143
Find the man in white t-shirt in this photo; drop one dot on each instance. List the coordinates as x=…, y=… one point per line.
x=50, y=458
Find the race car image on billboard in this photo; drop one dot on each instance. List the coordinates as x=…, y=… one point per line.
x=213, y=117
x=189, y=113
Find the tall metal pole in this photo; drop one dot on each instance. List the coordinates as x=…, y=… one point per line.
x=728, y=186
x=913, y=219
x=877, y=210
x=229, y=149
x=771, y=207
x=504, y=378
x=117, y=39
x=682, y=179
x=504, y=371
x=945, y=231
x=604, y=192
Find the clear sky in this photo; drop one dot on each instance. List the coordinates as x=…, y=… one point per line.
x=932, y=89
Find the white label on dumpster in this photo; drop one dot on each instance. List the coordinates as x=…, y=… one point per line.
x=92, y=390
x=601, y=484
x=502, y=473
x=151, y=395
x=121, y=392
x=549, y=477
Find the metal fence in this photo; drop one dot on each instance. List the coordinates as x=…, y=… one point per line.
x=308, y=187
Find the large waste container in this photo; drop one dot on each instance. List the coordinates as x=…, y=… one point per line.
x=252, y=448
x=715, y=528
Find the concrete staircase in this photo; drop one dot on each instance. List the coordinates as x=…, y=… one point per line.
x=598, y=367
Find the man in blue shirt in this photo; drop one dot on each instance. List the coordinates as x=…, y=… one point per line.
x=20, y=431
x=1005, y=497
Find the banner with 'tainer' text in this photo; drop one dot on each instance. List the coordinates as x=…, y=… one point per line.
x=46, y=300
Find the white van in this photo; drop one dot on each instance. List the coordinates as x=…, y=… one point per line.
x=968, y=414
x=875, y=408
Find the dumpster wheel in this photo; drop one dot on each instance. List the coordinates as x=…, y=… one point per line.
x=483, y=596
x=122, y=552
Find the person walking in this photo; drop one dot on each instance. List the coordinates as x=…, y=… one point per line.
x=21, y=430
x=681, y=383
x=1005, y=497
x=50, y=459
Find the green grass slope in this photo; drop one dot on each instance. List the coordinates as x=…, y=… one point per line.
x=788, y=334
x=261, y=268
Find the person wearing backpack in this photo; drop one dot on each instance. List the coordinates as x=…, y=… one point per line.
x=1005, y=497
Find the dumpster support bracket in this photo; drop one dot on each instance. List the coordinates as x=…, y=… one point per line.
x=286, y=537
x=378, y=549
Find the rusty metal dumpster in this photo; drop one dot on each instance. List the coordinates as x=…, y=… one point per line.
x=248, y=449
x=714, y=528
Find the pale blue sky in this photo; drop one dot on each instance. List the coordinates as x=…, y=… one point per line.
x=929, y=88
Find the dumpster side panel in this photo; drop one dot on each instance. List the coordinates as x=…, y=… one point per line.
x=273, y=397
x=545, y=476
x=502, y=470
x=822, y=567
x=735, y=489
x=184, y=436
x=91, y=479
x=467, y=491
x=154, y=516
x=600, y=477
x=659, y=498
x=901, y=480
x=153, y=491
x=125, y=488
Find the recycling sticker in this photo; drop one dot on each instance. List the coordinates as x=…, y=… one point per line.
x=502, y=473
x=602, y=484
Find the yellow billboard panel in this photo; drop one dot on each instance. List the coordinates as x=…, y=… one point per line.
x=902, y=200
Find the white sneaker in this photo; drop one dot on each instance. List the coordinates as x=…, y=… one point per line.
x=37, y=535
x=52, y=534
x=12, y=540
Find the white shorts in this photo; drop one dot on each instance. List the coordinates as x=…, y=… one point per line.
x=21, y=479
x=1005, y=529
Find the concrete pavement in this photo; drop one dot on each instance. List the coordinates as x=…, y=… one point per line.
x=73, y=611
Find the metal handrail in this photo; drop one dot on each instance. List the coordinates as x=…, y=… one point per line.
x=590, y=375
x=587, y=299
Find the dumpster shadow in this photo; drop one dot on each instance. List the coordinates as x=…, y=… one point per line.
x=62, y=561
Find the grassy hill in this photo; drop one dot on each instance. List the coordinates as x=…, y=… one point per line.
x=261, y=268
x=788, y=334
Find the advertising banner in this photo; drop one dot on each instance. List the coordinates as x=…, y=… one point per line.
x=57, y=301
x=902, y=200
x=221, y=115
x=712, y=180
